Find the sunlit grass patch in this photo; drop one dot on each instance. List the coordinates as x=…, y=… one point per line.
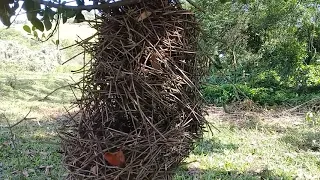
x=263, y=152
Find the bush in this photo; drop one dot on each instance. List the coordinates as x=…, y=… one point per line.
x=17, y=56
x=226, y=93
x=268, y=79
x=220, y=94
x=20, y=53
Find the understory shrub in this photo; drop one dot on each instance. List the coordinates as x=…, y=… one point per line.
x=226, y=93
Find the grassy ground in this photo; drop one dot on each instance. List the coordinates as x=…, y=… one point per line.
x=256, y=146
x=37, y=146
x=245, y=145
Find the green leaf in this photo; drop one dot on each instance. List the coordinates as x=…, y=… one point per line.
x=38, y=24
x=49, y=12
x=5, y=18
x=4, y=12
x=79, y=18
x=47, y=23
x=244, y=1
x=70, y=13
x=224, y=1
x=31, y=16
x=80, y=2
x=31, y=6
x=64, y=17
x=27, y=29
x=28, y=5
x=35, y=34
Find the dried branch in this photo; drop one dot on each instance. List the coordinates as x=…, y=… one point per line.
x=20, y=121
x=139, y=94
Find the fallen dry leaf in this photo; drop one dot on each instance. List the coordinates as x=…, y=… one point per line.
x=115, y=158
x=144, y=15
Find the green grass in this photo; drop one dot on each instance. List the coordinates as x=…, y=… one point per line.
x=251, y=149
x=256, y=151
x=36, y=141
x=22, y=84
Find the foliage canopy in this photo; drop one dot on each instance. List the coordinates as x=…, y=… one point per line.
x=41, y=13
x=269, y=44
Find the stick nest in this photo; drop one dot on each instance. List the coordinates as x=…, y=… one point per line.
x=139, y=95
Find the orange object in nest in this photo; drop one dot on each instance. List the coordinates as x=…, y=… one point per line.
x=115, y=158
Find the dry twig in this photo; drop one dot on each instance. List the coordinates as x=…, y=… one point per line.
x=140, y=92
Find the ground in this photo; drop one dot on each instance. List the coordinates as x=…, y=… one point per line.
x=248, y=145
x=35, y=149
x=274, y=144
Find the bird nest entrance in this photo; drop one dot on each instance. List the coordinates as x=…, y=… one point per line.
x=141, y=110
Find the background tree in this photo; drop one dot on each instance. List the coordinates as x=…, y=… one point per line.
x=261, y=47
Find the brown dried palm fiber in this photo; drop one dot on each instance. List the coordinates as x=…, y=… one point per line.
x=140, y=92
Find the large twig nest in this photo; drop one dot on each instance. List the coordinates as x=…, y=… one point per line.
x=140, y=95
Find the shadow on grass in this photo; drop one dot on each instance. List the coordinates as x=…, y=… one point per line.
x=207, y=146
x=303, y=140
x=35, y=151
x=211, y=174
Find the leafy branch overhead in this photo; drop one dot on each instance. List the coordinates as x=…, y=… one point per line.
x=41, y=13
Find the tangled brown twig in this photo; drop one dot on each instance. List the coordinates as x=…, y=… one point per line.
x=140, y=94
